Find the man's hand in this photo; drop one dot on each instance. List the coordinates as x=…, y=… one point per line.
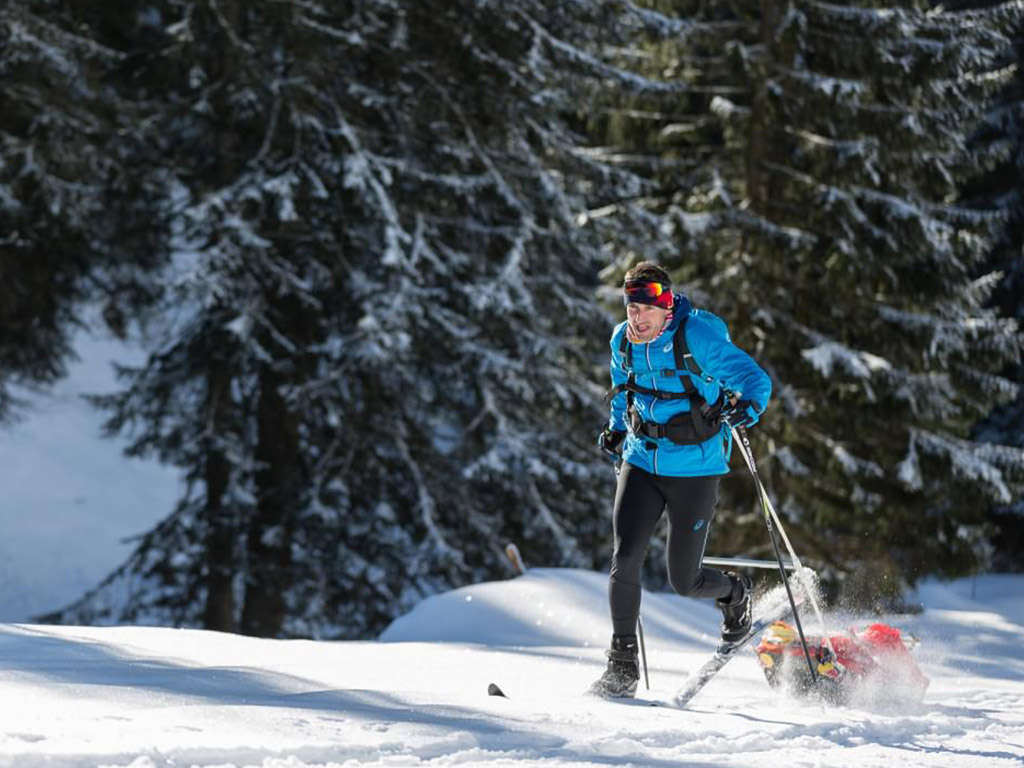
x=610, y=441
x=742, y=413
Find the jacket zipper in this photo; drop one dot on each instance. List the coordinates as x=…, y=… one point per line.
x=654, y=401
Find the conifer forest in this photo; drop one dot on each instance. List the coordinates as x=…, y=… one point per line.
x=373, y=250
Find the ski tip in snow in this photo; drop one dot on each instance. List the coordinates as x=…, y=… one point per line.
x=494, y=690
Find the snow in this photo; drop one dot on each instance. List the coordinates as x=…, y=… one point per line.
x=828, y=355
x=146, y=697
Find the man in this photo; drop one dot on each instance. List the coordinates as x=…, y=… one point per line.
x=679, y=383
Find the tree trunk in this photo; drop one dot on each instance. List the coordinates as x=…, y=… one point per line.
x=219, y=613
x=278, y=488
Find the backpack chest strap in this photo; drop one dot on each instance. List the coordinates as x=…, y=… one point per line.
x=686, y=368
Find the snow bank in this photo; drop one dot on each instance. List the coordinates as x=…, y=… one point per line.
x=549, y=607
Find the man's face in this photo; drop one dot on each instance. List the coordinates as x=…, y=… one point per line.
x=645, y=320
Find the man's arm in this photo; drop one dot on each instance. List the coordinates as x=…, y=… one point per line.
x=617, y=421
x=731, y=366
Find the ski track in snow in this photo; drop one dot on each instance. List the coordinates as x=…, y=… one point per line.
x=147, y=697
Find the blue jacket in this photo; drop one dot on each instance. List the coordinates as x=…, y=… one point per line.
x=723, y=362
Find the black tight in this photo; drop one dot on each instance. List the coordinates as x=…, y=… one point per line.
x=639, y=502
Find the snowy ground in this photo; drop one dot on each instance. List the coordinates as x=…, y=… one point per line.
x=147, y=697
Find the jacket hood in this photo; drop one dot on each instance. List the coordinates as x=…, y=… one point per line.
x=681, y=307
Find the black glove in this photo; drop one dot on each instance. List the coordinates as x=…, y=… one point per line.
x=610, y=441
x=743, y=413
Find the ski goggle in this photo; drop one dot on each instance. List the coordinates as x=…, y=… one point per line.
x=647, y=292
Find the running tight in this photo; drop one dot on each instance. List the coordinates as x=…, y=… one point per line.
x=639, y=502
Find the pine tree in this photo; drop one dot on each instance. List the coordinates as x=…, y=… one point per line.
x=810, y=167
x=68, y=205
x=374, y=353
x=1001, y=189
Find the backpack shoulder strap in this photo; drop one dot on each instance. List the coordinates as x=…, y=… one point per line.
x=629, y=387
x=684, y=359
x=626, y=349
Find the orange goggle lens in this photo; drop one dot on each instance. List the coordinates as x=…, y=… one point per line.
x=646, y=292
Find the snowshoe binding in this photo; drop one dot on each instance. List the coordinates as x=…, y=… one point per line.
x=736, y=609
x=621, y=677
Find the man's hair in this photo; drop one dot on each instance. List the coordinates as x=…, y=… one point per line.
x=648, y=270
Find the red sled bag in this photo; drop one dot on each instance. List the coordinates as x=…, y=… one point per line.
x=871, y=666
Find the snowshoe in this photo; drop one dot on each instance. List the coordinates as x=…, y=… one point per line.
x=621, y=677
x=736, y=610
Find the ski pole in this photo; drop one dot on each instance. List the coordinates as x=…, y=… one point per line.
x=749, y=455
x=643, y=650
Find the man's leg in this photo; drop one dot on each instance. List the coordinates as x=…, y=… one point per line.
x=691, y=508
x=638, y=507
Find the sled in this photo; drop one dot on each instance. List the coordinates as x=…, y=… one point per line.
x=875, y=665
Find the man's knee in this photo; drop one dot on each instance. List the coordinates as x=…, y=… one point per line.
x=627, y=563
x=685, y=583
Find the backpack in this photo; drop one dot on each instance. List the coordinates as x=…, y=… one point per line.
x=702, y=421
